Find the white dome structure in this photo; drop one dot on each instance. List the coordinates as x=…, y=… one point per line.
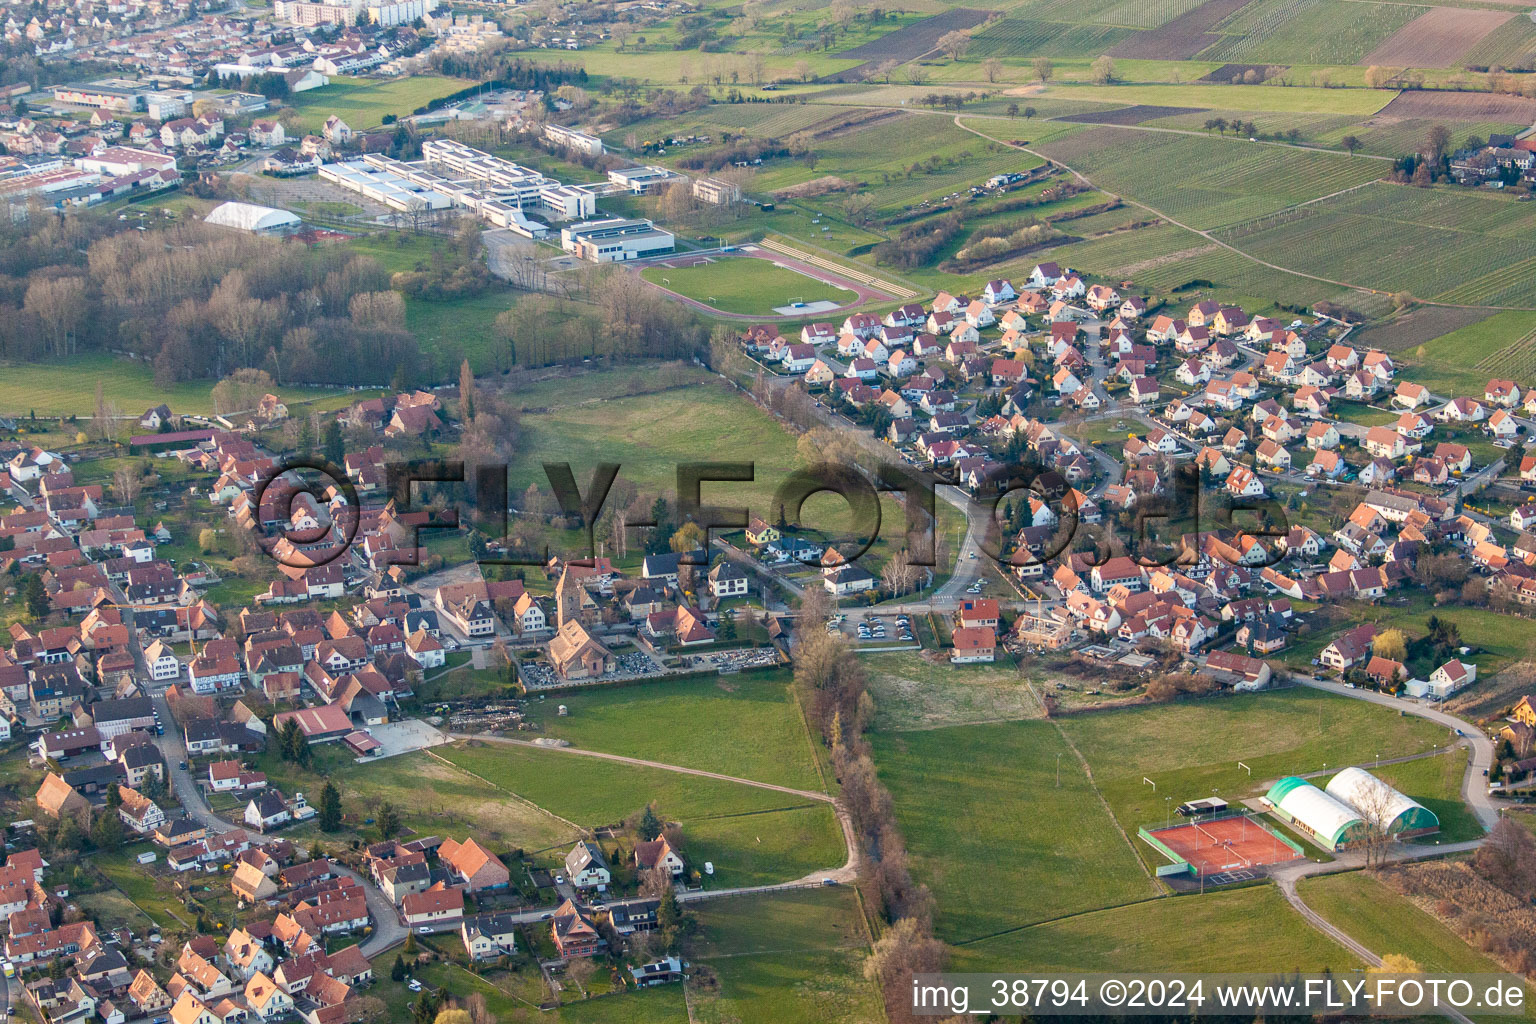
x=1373, y=798
x=258, y=220
x=1330, y=820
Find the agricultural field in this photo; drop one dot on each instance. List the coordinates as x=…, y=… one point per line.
x=363, y=103
x=1450, y=246
x=1437, y=38
x=901, y=160
x=745, y=725
x=1237, y=930
x=1026, y=37
x=753, y=836
x=745, y=285
x=1221, y=182
x=1511, y=45
x=1326, y=31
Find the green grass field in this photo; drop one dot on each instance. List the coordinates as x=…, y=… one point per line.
x=788, y=957
x=753, y=836
x=699, y=419
x=430, y=795
x=362, y=103
x=1386, y=922
x=912, y=692
x=994, y=837
x=1191, y=749
x=68, y=388
x=1251, y=929
x=745, y=725
x=1454, y=363
x=745, y=285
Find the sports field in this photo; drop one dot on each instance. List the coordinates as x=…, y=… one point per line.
x=995, y=837
x=744, y=284
x=363, y=102
x=1191, y=749
x=1223, y=845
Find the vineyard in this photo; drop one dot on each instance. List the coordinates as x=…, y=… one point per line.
x=1462, y=361
x=1207, y=182
x=1026, y=37
x=905, y=160
x=1114, y=255
x=1326, y=31
x=1515, y=362
x=1511, y=45
x=1234, y=277
x=1438, y=245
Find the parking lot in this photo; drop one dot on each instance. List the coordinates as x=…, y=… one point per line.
x=896, y=627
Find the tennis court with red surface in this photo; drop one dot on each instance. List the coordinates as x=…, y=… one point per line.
x=1225, y=844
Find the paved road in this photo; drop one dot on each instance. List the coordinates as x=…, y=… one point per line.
x=1474, y=788
x=387, y=928
x=1474, y=792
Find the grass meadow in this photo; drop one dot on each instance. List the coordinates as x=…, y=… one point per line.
x=1385, y=921
x=68, y=388
x=1249, y=929
x=993, y=835
x=790, y=957
x=753, y=836
x=745, y=725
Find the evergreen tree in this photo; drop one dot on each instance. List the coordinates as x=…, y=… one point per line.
x=107, y=831
x=35, y=595
x=650, y=825
x=335, y=448
x=389, y=821
x=330, y=807
x=727, y=625
x=397, y=969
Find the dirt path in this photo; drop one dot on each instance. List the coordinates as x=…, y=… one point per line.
x=843, y=874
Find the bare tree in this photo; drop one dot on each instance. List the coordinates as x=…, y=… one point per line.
x=954, y=44
x=59, y=305
x=127, y=482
